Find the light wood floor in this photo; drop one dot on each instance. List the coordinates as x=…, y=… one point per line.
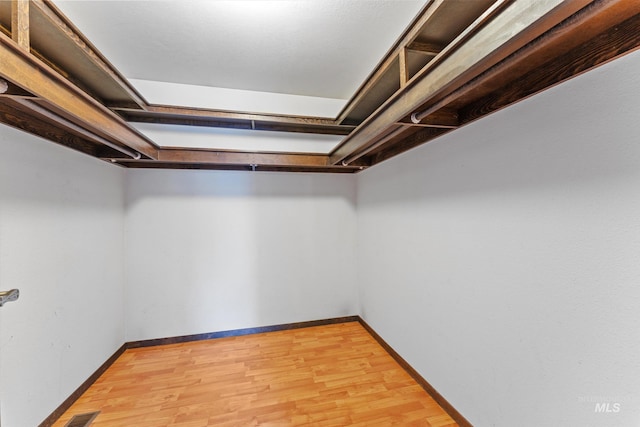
x=335, y=375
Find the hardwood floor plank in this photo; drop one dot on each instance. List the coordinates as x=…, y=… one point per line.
x=334, y=375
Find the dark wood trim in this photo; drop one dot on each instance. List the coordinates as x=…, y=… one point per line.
x=457, y=416
x=89, y=110
x=409, y=35
x=57, y=413
x=593, y=36
x=405, y=75
x=175, y=110
x=154, y=164
x=393, y=133
x=20, y=23
x=176, y=115
x=240, y=332
x=420, y=137
x=618, y=40
x=427, y=48
x=34, y=76
x=40, y=109
x=252, y=160
x=58, y=20
x=181, y=155
x=203, y=158
x=12, y=90
x=554, y=45
x=12, y=114
x=64, y=406
x=443, y=118
x=422, y=90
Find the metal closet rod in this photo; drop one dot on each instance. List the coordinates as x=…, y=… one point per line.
x=417, y=117
x=37, y=108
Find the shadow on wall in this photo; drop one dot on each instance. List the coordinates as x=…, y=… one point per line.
x=195, y=183
x=305, y=251
x=239, y=249
x=501, y=260
x=61, y=222
x=525, y=152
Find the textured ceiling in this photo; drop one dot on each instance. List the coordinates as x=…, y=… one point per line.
x=322, y=48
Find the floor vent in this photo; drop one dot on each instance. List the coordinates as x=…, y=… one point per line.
x=82, y=420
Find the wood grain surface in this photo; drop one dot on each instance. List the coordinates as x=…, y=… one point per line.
x=333, y=375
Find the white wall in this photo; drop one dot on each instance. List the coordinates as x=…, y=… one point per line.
x=205, y=251
x=213, y=250
x=61, y=226
x=503, y=260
